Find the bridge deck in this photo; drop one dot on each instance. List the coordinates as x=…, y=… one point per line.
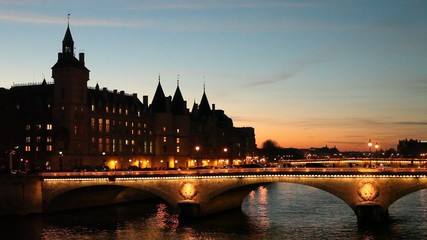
x=308, y=172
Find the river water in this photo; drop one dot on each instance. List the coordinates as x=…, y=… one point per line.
x=275, y=211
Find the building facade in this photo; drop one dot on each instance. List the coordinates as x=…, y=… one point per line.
x=65, y=125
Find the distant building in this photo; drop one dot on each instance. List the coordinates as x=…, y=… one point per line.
x=412, y=148
x=64, y=125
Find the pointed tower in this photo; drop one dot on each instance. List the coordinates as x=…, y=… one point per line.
x=204, y=108
x=159, y=100
x=70, y=111
x=178, y=104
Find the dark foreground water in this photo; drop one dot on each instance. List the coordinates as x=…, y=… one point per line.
x=276, y=211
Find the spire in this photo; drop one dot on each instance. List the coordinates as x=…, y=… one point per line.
x=159, y=100
x=178, y=103
x=204, y=108
x=67, y=42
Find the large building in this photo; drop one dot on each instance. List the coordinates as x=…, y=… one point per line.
x=64, y=125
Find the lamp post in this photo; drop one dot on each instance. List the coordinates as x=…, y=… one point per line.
x=104, y=160
x=376, y=151
x=60, y=160
x=370, y=148
x=225, y=155
x=197, y=155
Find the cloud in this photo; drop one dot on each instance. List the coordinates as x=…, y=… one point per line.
x=412, y=123
x=32, y=18
x=200, y=5
x=297, y=67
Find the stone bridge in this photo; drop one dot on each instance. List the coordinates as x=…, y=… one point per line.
x=369, y=192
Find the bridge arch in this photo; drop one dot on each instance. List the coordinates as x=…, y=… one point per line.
x=198, y=194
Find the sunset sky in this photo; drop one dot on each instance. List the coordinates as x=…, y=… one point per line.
x=302, y=73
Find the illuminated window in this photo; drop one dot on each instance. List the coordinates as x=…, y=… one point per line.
x=114, y=145
x=133, y=142
x=38, y=139
x=107, y=145
x=38, y=127
x=151, y=147
x=75, y=130
x=139, y=113
x=177, y=140
x=49, y=127
x=164, y=129
x=106, y=109
x=48, y=139
x=120, y=110
x=28, y=127
x=28, y=139
x=92, y=107
x=126, y=142
x=100, y=144
x=126, y=112
x=49, y=148
x=177, y=130
x=164, y=139
x=107, y=125
x=92, y=124
x=177, y=149
x=27, y=148
x=100, y=125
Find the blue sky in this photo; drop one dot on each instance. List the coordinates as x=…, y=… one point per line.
x=303, y=73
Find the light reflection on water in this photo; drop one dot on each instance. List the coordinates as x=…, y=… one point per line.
x=274, y=211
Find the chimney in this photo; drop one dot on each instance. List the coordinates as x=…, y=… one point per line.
x=82, y=58
x=213, y=106
x=145, y=100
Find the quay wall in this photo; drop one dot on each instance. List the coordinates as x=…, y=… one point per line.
x=20, y=195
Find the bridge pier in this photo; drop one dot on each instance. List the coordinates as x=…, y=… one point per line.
x=370, y=214
x=188, y=210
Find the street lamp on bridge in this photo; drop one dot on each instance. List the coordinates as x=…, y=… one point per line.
x=197, y=155
x=376, y=151
x=370, y=150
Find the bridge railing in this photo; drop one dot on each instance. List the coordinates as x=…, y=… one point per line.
x=189, y=172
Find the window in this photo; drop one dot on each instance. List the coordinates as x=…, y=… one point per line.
x=100, y=145
x=106, y=109
x=114, y=145
x=38, y=139
x=164, y=139
x=107, y=145
x=164, y=129
x=177, y=130
x=28, y=139
x=38, y=126
x=92, y=107
x=28, y=127
x=177, y=149
x=27, y=148
x=126, y=112
x=92, y=124
x=107, y=125
x=49, y=127
x=100, y=125
x=49, y=148
x=177, y=140
x=49, y=139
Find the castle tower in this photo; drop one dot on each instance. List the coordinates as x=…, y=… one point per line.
x=70, y=111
